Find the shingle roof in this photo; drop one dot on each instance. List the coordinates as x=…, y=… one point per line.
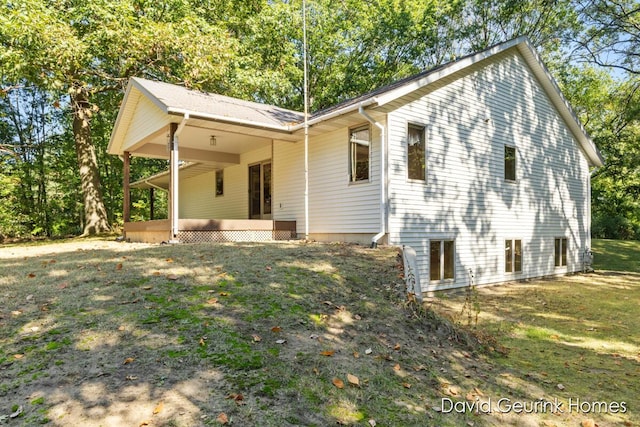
x=178, y=97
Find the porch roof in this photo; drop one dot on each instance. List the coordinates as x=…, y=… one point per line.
x=161, y=180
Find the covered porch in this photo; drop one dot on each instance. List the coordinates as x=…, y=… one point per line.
x=220, y=153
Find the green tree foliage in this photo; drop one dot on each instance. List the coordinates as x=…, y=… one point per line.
x=78, y=56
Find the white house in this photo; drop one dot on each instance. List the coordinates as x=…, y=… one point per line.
x=479, y=165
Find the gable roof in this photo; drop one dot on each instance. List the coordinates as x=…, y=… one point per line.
x=179, y=101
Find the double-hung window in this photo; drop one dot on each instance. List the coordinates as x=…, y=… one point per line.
x=441, y=260
x=509, y=163
x=416, y=153
x=513, y=256
x=359, y=152
x=560, y=252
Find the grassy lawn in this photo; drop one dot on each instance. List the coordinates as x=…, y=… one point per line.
x=575, y=339
x=103, y=333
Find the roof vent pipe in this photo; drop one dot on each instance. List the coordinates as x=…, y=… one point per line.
x=383, y=180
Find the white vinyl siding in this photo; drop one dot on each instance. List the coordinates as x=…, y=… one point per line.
x=469, y=121
x=147, y=119
x=197, y=194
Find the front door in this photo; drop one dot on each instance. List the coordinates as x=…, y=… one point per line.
x=260, y=191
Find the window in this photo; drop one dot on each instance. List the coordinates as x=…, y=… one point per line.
x=509, y=163
x=441, y=260
x=560, y=253
x=359, y=147
x=513, y=256
x=416, y=153
x=219, y=182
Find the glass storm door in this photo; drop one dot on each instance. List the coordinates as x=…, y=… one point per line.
x=260, y=191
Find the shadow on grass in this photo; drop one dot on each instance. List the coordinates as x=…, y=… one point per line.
x=180, y=335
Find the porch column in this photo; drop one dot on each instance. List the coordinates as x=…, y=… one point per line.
x=151, y=203
x=173, y=183
x=126, y=203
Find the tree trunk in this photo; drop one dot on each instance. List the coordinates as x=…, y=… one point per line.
x=94, y=211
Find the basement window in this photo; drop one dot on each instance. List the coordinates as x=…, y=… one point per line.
x=513, y=256
x=359, y=151
x=560, y=252
x=441, y=260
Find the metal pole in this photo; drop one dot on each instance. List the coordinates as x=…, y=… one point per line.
x=306, y=121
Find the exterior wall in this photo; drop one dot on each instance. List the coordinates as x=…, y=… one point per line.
x=465, y=197
x=147, y=119
x=338, y=209
x=197, y=194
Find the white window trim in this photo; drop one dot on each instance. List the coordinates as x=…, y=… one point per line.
x=513, y=256
x=441, y=275
x=349, y=156
x=564, y=248
x=504, y=171
x=406, y=152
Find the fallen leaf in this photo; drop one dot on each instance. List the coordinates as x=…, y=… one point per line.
x=356, y=354
x=156, y=273
x=172, y=277
x=222, y=418
x=31, y=275
x=316, y=371
x=128, y=360
x=276, y=329
x=406, y=385
x=560, y=387
x=131, y=378
x=338, y=383
x=224, y=294
x=212, y=301
x=63, y=285
x=201, y=342
x=169, y=260
x=268, y=268
x=281, y=341
x=396, y=347
x=158, y=408
x=119, y=266
x=256, y=338
x=16, y=312
x=18, y=356
x=396, y=367
x=353, y=380
x=588, y=423
x=147, y=288
x=145, y=423
x=357, y=317
x=327, y=353
x=368, y=351
x=238, y=397
x=372, y=422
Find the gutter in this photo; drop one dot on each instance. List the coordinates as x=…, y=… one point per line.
x=383, y=181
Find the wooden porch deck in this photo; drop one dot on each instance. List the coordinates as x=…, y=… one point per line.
x=211, y=230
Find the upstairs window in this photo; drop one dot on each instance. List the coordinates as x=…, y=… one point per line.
x=513, y=256
x=509, y=163
x=441, y=260
x=416, y=153
x=560, y=253
x=219, y=182
x=359, y=150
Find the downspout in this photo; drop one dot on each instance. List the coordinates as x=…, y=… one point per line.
x=174, y=166
x=383, y=181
